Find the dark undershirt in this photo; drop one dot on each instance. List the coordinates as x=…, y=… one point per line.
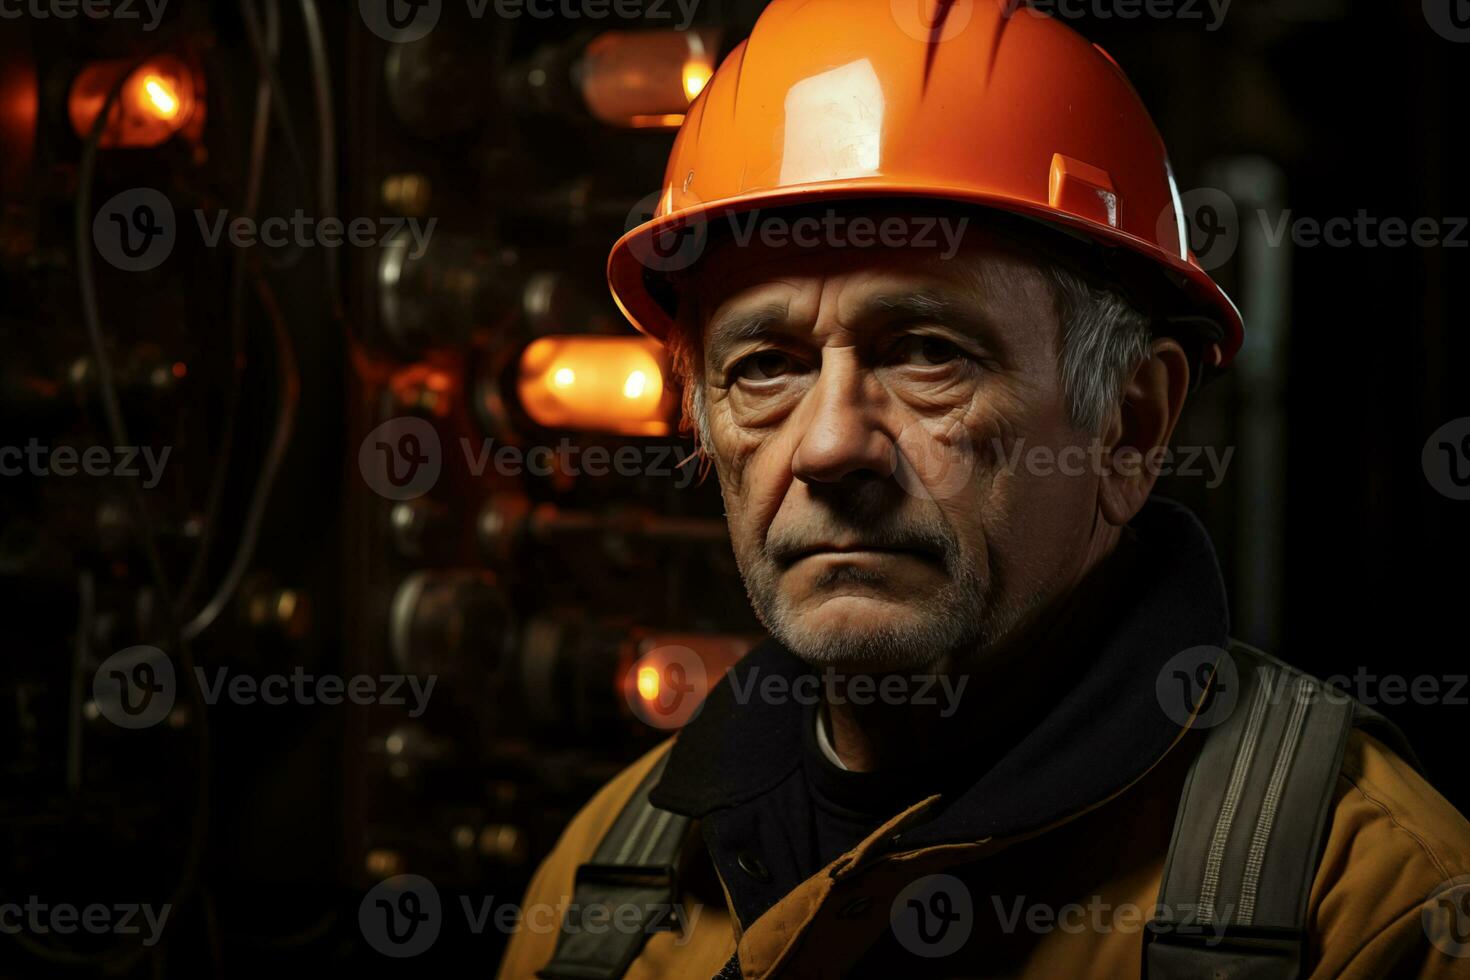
x=848, y=806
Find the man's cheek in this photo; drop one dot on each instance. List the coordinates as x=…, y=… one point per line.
x=766, y=478
x=731, y=446
x=749, y=459
x=740, y=452
x=999, y=446
x=940, y=458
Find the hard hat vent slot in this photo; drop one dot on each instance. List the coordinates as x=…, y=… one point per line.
x=1082, y=190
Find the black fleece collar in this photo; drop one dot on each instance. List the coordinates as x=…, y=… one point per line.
x=1104, y=730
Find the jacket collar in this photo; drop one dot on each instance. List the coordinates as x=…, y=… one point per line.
x=1073, y=758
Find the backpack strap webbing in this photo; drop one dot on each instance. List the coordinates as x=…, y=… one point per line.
x=635, y=867
x=1250, y=829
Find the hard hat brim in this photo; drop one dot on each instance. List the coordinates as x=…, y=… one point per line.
x=629, y=275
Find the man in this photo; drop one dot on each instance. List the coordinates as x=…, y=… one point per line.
x=923, y=274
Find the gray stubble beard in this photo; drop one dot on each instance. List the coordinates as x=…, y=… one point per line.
x=955, y=623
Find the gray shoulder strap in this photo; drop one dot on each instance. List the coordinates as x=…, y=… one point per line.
x=625, y=893
x=1250, y=828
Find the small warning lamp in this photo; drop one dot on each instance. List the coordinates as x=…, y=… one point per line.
x=600, y=384
x=159, y=98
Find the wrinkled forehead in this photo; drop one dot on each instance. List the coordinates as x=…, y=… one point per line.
x=873, y=249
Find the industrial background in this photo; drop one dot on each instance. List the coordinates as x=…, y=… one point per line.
x=353, y=487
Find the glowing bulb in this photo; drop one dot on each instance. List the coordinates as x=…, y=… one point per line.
x=601, y=384
x=648, y=683
x=696, y=75
x=159, y=99
x=161, y=96
x=646, y=79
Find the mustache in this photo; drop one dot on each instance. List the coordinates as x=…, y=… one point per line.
x=932, y=540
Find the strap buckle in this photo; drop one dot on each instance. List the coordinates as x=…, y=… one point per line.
x=1234, y=952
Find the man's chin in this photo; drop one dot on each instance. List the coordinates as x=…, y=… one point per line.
x=858, y=613
x=865, y=632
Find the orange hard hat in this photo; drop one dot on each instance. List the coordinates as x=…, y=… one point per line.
x=979, y=102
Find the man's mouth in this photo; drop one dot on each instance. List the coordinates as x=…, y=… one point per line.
x=859, y=550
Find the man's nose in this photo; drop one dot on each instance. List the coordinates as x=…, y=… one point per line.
x=841, y=435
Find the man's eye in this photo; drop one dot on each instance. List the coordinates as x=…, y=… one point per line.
x=763, y=366
x=923, y=351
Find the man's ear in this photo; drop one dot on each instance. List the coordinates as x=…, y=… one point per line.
x=1138, y=435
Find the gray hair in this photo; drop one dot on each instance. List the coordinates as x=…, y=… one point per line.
x=1104, y=338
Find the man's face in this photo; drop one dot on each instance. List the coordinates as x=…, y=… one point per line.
x=864, y=407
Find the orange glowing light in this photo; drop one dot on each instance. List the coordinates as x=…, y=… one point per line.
x=158, y=99
x=604, y=384
x=180, y=369
x=648, y=683
x=669, y=120
x=696, y=75
x=646, y=79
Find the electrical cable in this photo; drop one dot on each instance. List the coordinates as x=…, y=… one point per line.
x=259, y=145
x=111, y=408
x=286, y=368
x=280, y=442
x=280, y=108
x=326, y=140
